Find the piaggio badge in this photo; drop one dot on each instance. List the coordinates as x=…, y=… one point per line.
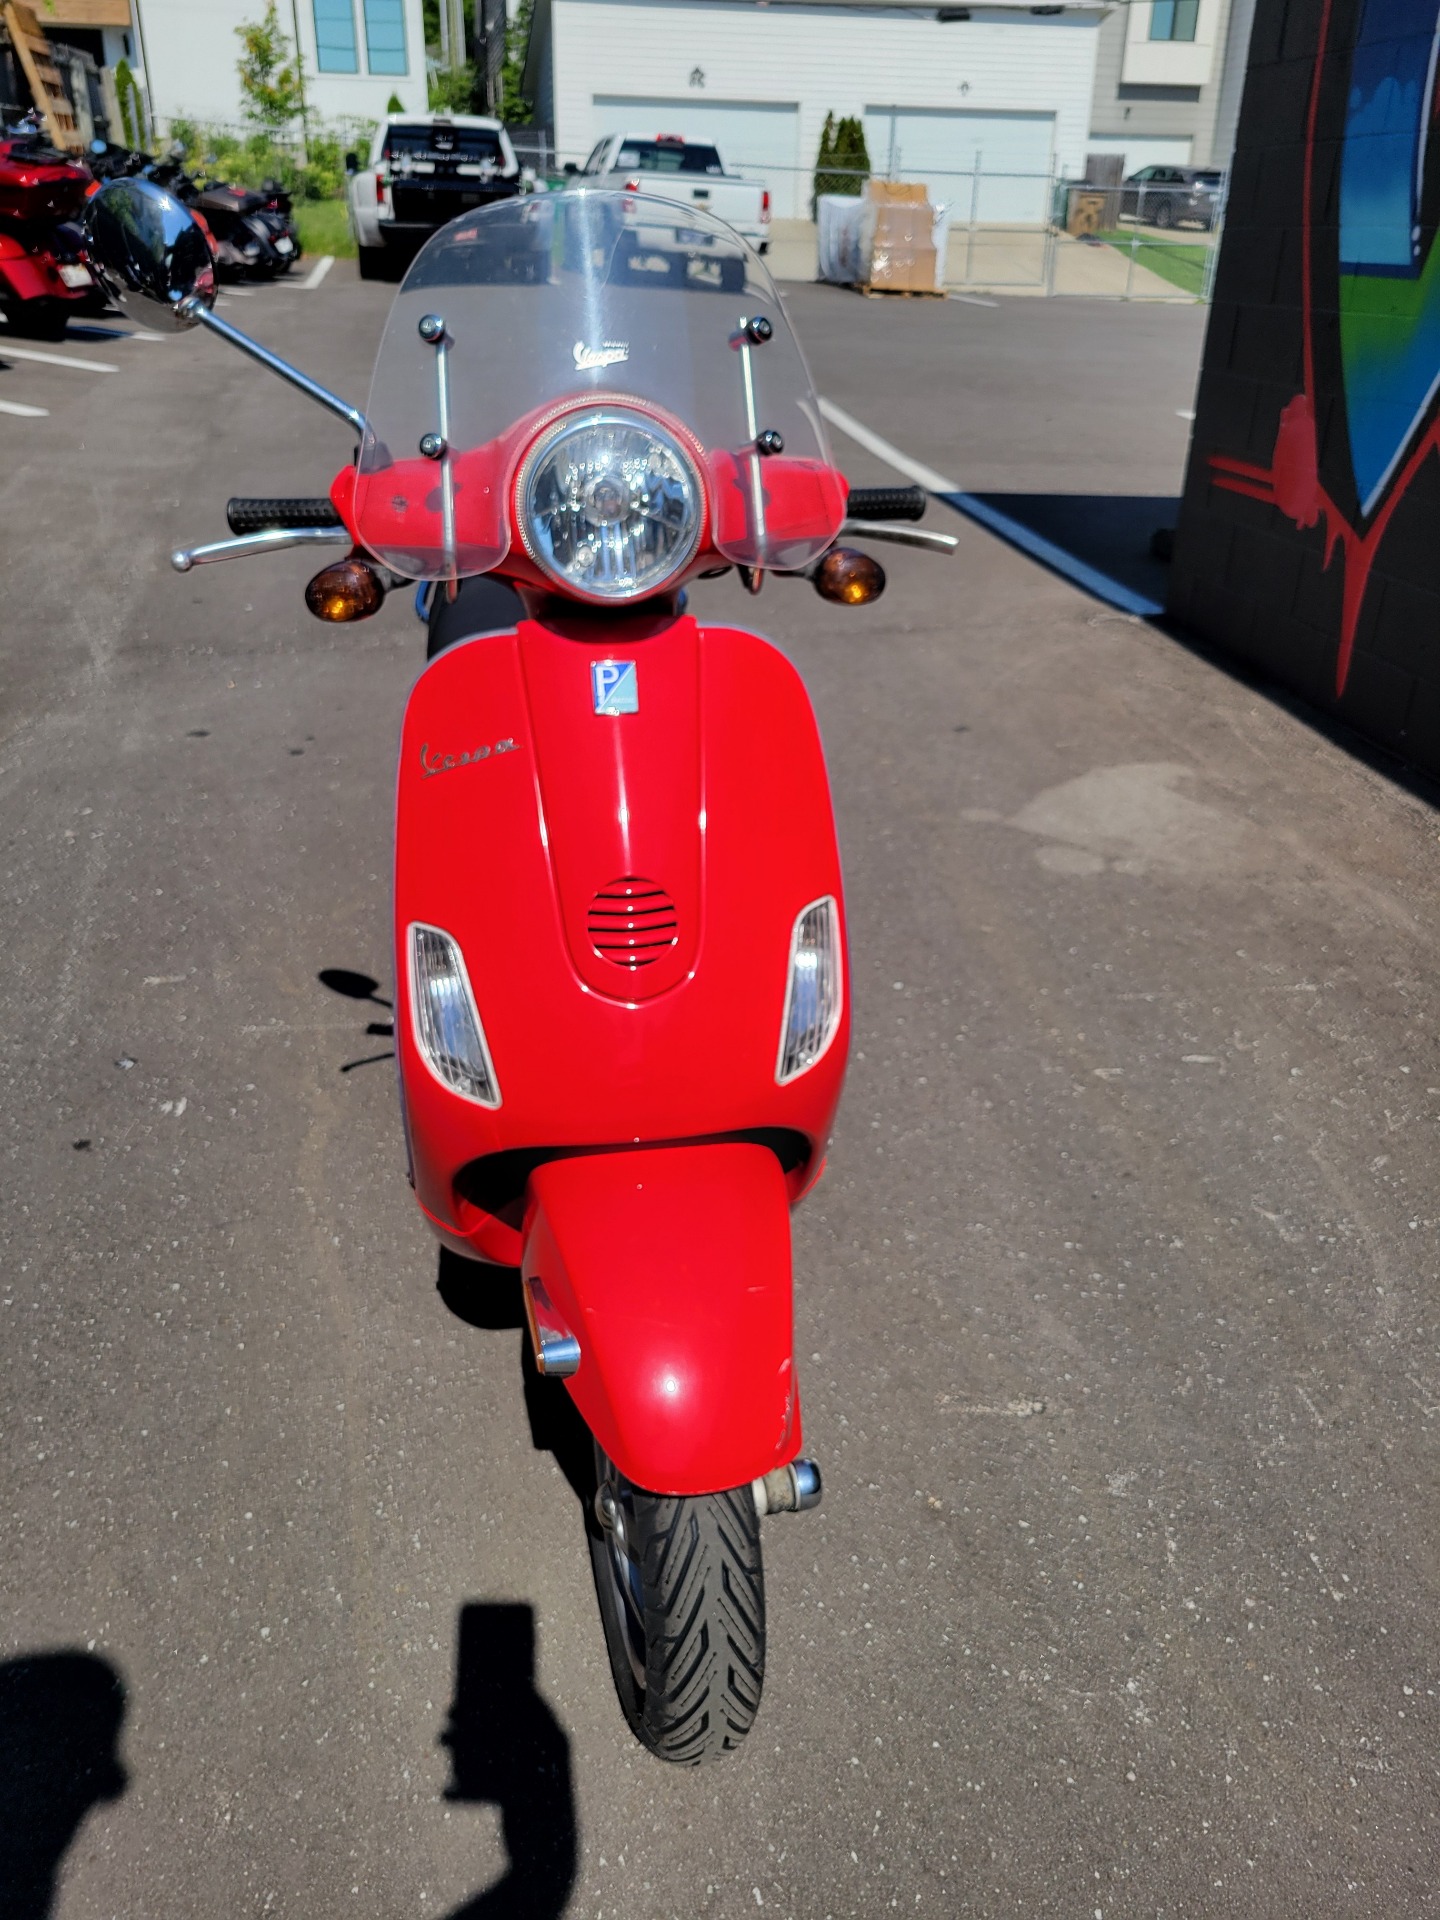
x=615, y=686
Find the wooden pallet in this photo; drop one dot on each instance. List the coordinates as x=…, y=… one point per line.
x=901, y=293
x=42, y=76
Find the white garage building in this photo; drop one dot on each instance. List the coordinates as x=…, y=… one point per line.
x=985, y=101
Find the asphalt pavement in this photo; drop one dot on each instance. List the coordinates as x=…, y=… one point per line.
x=1115, y=1322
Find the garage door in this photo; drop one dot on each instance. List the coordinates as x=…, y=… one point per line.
x=1015, y=156
x=756, y=138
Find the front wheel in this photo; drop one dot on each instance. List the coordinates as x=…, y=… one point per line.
x=682, y=1598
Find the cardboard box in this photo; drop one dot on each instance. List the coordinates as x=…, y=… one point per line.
x=897, y=193
x=903, y=269
x=904, y=226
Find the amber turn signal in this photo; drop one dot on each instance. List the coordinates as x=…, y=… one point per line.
x=849, y=577
x=350, y=590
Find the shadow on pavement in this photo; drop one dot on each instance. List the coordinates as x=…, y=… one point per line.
x=60, y=1720
x=1108, y=531
x=508, y=1750
x=489, y=1298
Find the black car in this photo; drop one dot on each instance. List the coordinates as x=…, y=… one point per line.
x=1172, y=196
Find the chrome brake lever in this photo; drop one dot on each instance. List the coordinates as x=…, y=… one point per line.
x=900, y=534
x=273, y=540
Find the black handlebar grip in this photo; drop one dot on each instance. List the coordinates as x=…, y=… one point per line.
x=259, y=516
x=887, y=503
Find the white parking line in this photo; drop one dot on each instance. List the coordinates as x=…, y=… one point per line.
x=974, y=300
x=923, y=476
x=316, y=274
x=8, y=352
x=24, y=413
x=1115, y=592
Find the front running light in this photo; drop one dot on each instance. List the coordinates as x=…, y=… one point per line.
x=447, y=1027
x=814, y=995
x=611, y=505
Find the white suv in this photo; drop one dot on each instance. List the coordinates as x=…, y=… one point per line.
x=422, y=171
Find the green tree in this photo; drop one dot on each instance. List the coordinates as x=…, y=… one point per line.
x=453, y=90
x=132, y=107
x=270, y=83
x=515, y=107
x=843, y=162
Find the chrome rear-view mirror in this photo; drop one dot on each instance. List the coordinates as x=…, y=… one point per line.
x=146, y=245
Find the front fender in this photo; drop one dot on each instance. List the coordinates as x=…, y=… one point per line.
x=671, y=1266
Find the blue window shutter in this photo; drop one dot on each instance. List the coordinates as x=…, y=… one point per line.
x=336, y=50
x=385, y=36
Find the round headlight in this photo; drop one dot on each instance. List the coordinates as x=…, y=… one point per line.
x=611, y=505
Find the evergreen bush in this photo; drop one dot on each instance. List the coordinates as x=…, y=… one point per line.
x=843, y=162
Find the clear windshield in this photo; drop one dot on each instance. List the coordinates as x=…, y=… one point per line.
x=513, y=311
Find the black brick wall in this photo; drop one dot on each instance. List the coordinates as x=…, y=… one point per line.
x=1245, y=577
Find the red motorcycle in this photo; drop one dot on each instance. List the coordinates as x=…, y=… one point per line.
x=621, y=1006
x=44, y=274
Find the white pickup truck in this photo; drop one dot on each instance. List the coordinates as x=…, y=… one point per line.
x=690, y=171
x=422, y=170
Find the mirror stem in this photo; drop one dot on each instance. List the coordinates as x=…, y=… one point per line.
x=200, y=312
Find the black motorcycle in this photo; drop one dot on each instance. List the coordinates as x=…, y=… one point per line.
x=254, y=232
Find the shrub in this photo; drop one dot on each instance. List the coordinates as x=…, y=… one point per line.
x=246, y=160
x=843, y=162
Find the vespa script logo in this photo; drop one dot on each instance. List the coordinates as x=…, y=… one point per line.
x=608, y=355
x=437, y=762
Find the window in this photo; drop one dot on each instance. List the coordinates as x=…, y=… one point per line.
x=335, y=50
x=444, y=148
x=667, y=156
x=1173, y=19
x=385, y=36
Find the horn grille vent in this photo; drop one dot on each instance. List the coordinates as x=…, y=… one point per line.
x=632, y=922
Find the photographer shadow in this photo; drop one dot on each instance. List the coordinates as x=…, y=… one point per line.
x=60, y=1721
x=508, y=1750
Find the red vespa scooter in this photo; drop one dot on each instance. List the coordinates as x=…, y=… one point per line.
x=44, y=275
x=621, y=1005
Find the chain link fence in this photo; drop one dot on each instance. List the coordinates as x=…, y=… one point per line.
x=1006, y=230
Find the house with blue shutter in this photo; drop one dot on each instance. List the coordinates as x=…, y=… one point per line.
x=354, y=53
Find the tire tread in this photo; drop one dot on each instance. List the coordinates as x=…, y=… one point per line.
x=704, y=1589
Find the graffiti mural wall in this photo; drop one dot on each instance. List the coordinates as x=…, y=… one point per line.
x=1309, y=537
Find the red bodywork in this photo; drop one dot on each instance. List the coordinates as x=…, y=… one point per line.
x=643, y=1159
x=37, y=192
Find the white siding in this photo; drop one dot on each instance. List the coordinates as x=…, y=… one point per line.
x=1171, y=63
x=192, y=56
x=1000, y=165
x=759, y=139
x=826, y=60
x=1144, y=151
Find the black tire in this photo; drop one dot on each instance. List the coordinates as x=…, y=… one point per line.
x=42, y=319
x=372, y=263
x=682, y=1598
x=1165, y=214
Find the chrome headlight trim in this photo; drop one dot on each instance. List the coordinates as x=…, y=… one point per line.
x=687, y=472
